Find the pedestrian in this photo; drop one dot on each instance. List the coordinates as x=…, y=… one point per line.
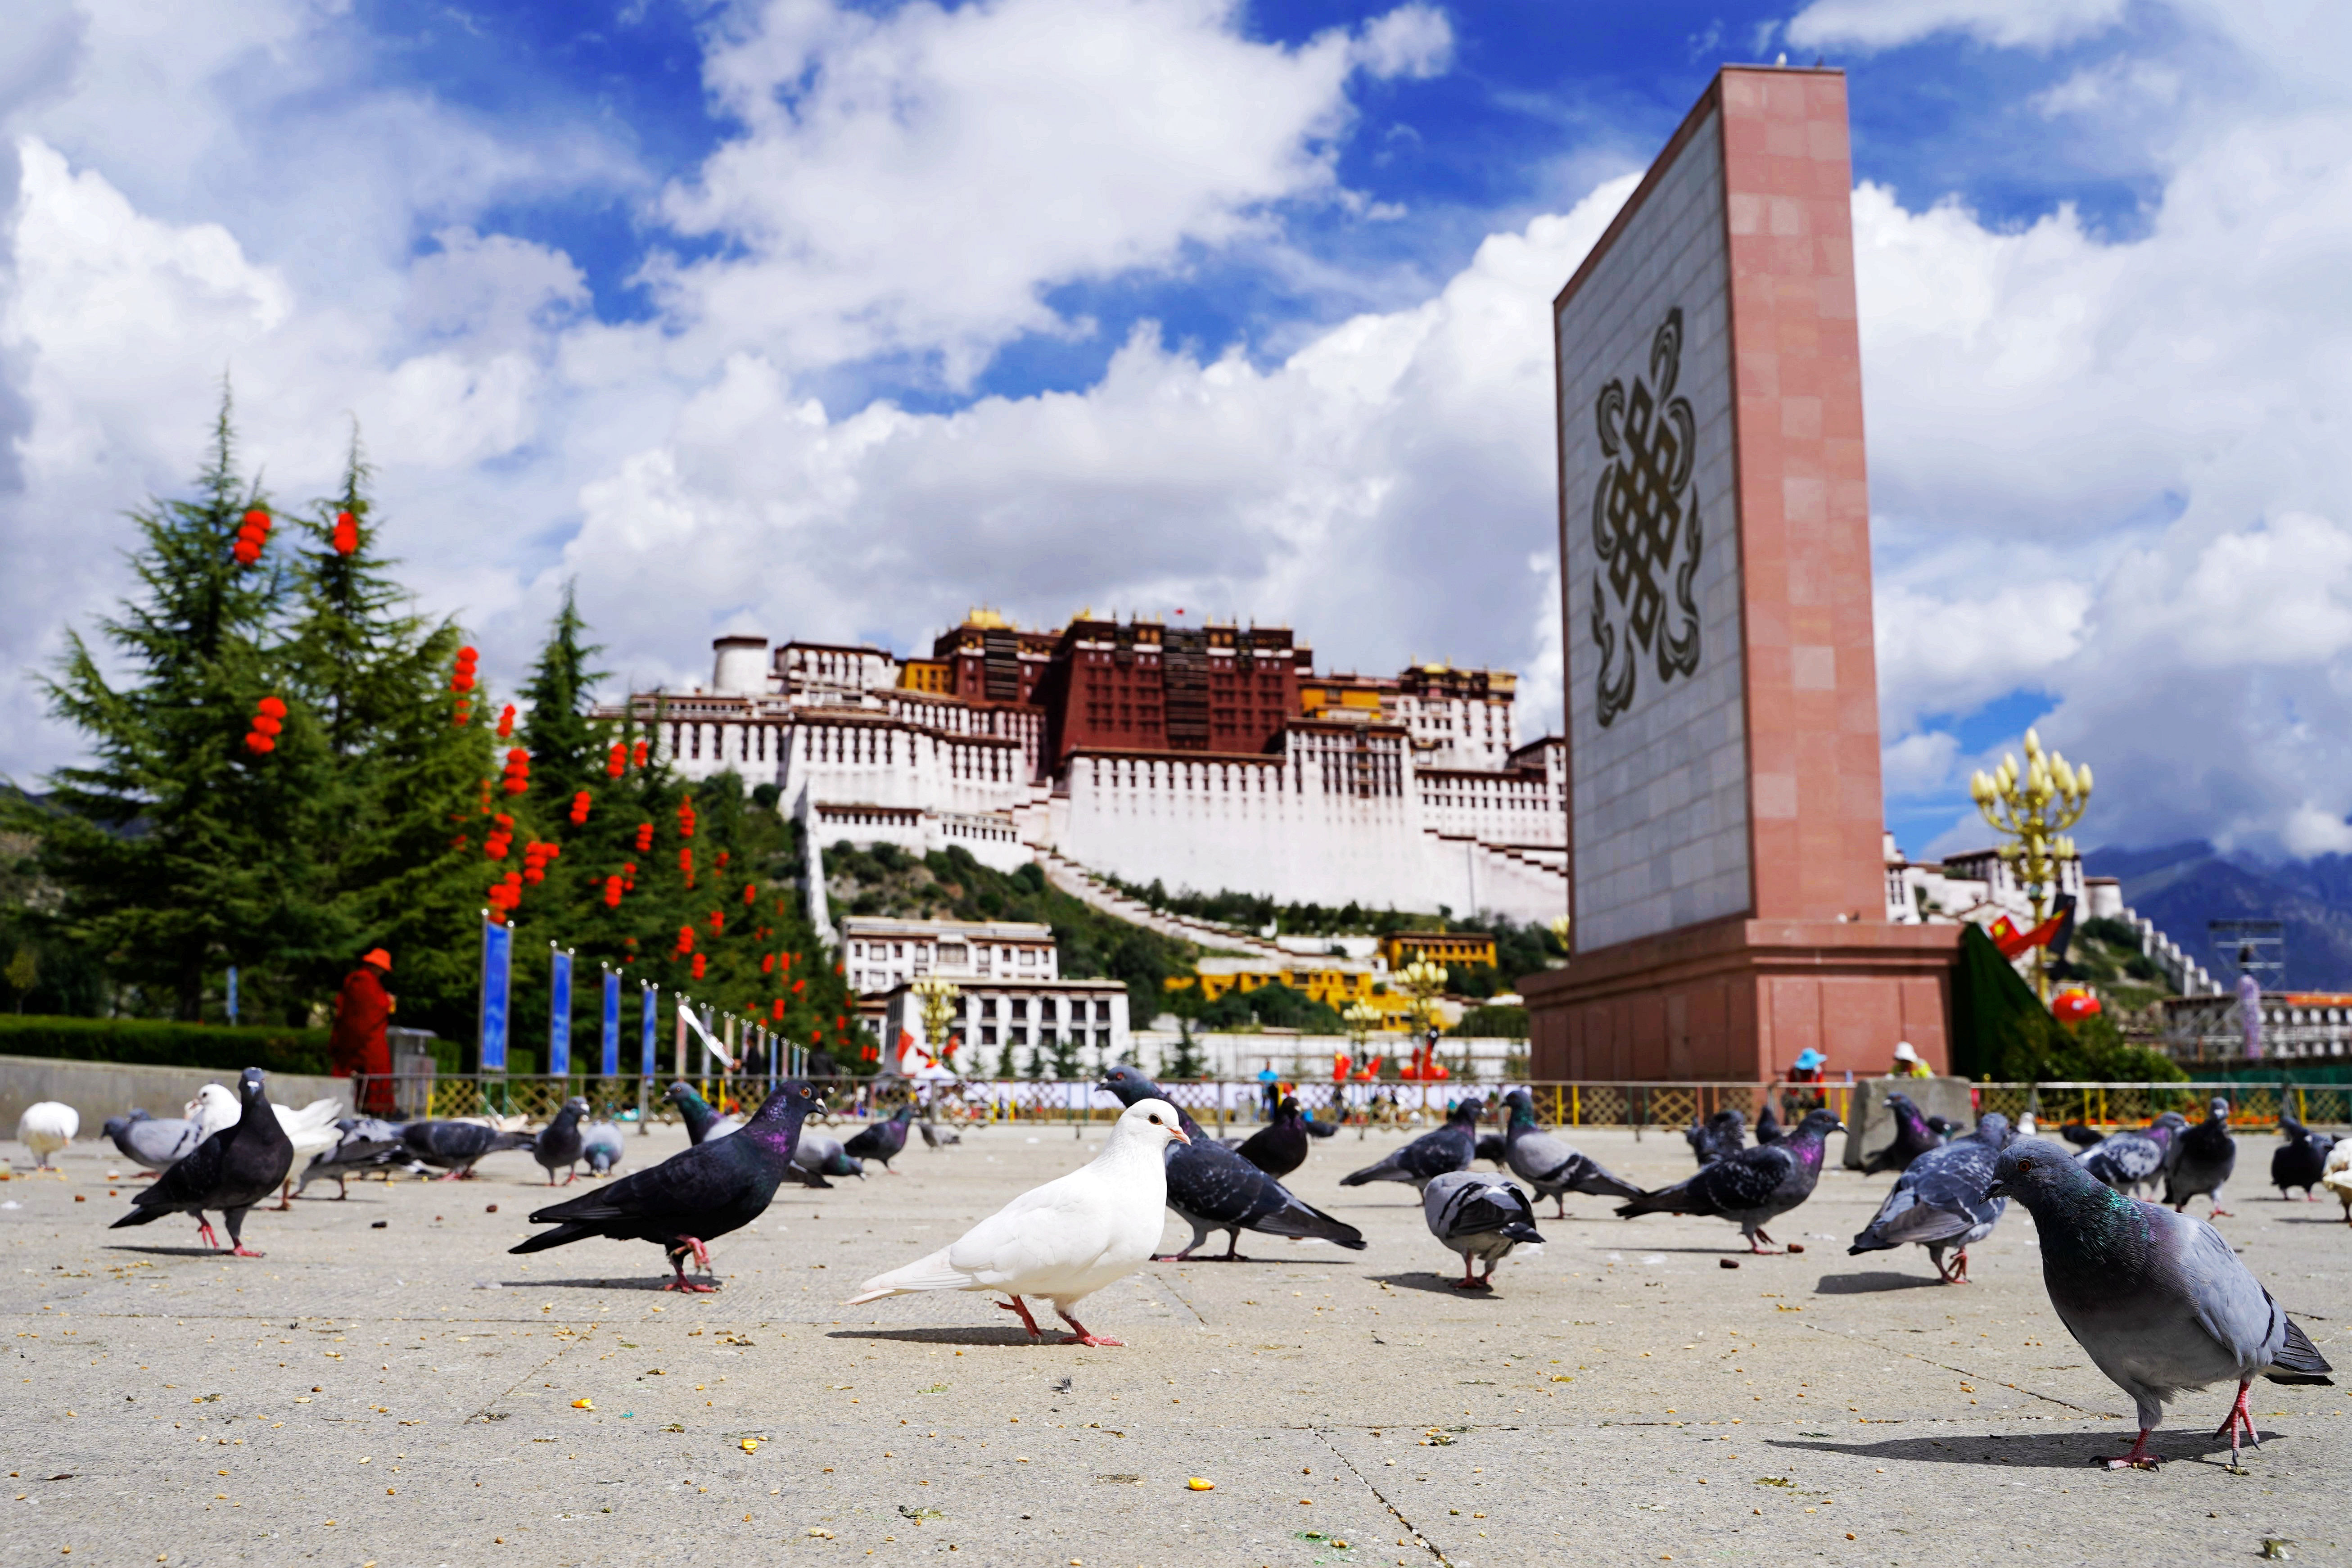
x=1270, y=1088
x=1907, y=1063
x=358, y=1047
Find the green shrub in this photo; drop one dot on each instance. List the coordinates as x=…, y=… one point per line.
x=1492, y=1022
x=152, y=1042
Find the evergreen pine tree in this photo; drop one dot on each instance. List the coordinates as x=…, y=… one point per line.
x=179, y=848
x=400, y=842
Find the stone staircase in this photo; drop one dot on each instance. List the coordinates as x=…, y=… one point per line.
x=1083, y=885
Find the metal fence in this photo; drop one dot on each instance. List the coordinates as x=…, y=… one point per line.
x=2253, y=1106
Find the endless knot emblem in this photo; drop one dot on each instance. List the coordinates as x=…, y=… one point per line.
x=1645, y=527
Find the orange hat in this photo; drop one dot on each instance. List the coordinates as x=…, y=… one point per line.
x=378, y=957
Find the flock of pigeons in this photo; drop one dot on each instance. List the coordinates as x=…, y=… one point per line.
x=2158, y=1299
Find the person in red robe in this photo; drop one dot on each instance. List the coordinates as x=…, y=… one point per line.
x=358, y=1046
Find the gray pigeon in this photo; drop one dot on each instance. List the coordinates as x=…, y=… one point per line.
x=2207, y=1156
x=2129, y=1161
x=1912, y=1138
x=1753, y=1186
x=2158, y=1299
x=1451, y=1148
x=601, y=1146
x=454, y=1146
x=1724, y=1134
x=938, y=1137
x=2300, y=1161
x=1939, y=1200
x=1552, y=1167
x=1479, y=1216
x=231, y=1170
x=362, y=1143
x=560, y=1143
x=1767, y=1128
x=817, y=1156
x=159, y=1143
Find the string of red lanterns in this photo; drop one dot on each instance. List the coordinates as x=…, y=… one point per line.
x=269, y=718
x=580, y=803
x=518, y=771
x=347, y=533
x=251, y=535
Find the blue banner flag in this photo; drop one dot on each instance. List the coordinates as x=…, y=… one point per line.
x=498, y=948
x=232, y=994
x=649, y=997
x=612, y=1064
x=559, y=1012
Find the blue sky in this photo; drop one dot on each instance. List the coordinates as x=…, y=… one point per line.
x=818, y=319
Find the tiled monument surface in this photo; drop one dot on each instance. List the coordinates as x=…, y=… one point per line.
x=1724, y=809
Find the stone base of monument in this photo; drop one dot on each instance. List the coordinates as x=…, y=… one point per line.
x=1737, y=1000
x=1870, y=1126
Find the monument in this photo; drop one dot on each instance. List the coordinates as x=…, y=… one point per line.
x=1725, y=815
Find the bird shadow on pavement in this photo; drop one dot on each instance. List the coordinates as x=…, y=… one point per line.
x=1868, y=1283
x=650, y=1282
x=1434, y=1284
x=1013, y=1334
x=2052, y=1451
x=175, y=1251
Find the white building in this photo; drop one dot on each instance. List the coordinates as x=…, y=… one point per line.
x=880, y=954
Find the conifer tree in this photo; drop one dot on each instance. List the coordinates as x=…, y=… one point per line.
x=182, y=846
x=401, y=841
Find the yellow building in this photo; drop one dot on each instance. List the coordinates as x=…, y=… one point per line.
x=1447, y=947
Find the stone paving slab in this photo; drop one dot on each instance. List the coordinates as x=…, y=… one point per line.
x=406, y=1395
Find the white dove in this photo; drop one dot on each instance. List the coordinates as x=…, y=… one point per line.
x=1067, y=1239
x=214, y=1108
x=46, y=1126
x=312, y=1131
x=2337, y=1177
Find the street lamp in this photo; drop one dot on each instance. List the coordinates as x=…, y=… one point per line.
x=1421, y=981
x=939, y=999
x=2034, y=809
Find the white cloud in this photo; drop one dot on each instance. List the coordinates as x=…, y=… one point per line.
x=1888, y=23
x=1919, y=764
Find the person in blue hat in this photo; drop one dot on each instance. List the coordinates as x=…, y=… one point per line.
x=1808, y=1068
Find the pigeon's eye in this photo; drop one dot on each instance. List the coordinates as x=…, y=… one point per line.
x=1155, y=1119
x=2025, y=1165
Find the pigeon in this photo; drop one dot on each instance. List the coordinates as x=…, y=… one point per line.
x=1480, y=1216
x=1493, y=1147
x=599, y=1145
x=1725, y=1132
x=231, y=1170
x=159, y=1143
x=2207, y=1155
x=1912, y=1138
x=1940, y=1201
x=2025, y=1124
x=312, y=1131
x=1767, y=1128
x=215, y=1107
x=1280, y=1146
x=938, y=1137
x=1753, y=1186
x=560, y=1143
x=2337, y=1175
x=47, y=1127
x=2080, y=1135
x=456, y=1145
x=1944, y=1128
x=2158, y=1299
x=363, y=1143
x=1067, y=1239
x=1550, y=1166
x=702, y=1123
x=690, y=1199
x=2297, y=1163
x=2125, y=1161
x=1318, y=1128
x=1451, y=1148
x=884, y=1140
x=1212, y=1188
x=819, y=1157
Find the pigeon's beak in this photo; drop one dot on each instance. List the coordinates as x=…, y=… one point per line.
x=1178, y=1134
x=1998, y=1190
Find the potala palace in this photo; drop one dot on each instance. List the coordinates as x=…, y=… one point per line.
x=1204, y=756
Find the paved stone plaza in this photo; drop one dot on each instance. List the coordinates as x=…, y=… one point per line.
x=412, y=1395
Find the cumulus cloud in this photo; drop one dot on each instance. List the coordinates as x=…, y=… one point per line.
x=1887, y=24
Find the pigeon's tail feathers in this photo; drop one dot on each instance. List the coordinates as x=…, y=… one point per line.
x=1298, y=1221
x=1521, y=1231
x=935, y=1272
x=1388, y=1170
x=1594, y=1181
x=1664, y=1200
x=2298, y=1360
x=150, y=1216
x=561, y=1235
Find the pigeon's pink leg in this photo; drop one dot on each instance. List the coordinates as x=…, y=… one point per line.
x=1959, y=1272
x=678, y=1262
x=2139, y=1458
x=450, y=1176
x=1022, y=1307
x=1081, y=1337
x=1468, y=1281
x=2230, y=1424
x=1762, y=1252
x=701, y=1253
x=286, y=1196
x=244, y=1251
x=204, y=1233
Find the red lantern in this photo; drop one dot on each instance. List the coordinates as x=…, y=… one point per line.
x=251, y=535
x=685, y=819
x=273, y=706
x=750, y=894
x=262, y=730
x=505, y=722
x=798, y=987
x=685, y=939
x=580, y=808
x=461, y=676
x=778, y=1014
x=767, y=964
x=616, y=760
x=2073, y=1007
x=612, y=893
x=260, y=744
x=698, y=966
x=347, y=533
x=638, y=754
x=722, y=859
x=686, y=865
x=645, y=837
